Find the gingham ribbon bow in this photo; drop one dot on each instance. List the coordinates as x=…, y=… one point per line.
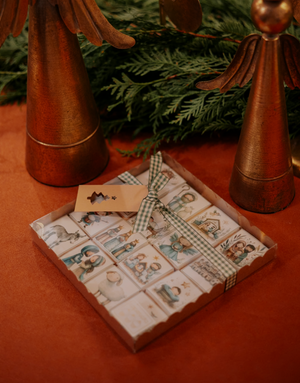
x=156, y=182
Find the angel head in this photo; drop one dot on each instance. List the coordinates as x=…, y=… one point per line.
x=272, y=16
x=78, y=15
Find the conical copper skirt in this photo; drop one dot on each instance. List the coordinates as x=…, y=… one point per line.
x=65, y=144
x=262, y=179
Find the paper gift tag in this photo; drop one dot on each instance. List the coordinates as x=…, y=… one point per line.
x=125, y=198
x=203, y=274
x=174, y=292
x=177, y=249
x=86, y=261
x=138, y=314
x=62, y=235
x=146, y=266
x=93, y=222
x=111, y=287
x=241, y=249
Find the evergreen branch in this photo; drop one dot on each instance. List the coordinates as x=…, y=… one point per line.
x=150, y=89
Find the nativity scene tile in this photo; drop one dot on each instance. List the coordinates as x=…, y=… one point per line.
x=146, y=266
x=214, y=225
x=119, y=241
x=241, y=249
x=86, y=261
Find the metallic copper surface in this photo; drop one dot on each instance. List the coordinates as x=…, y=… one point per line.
x=64, y=145
x=295, y=145
x=61, y=110
x=271, y=16
x=296, y=9
x=262, y=178
x=185, y=14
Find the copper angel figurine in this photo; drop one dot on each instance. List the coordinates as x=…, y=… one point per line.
x=65, y=144
x=185, y=14
x=262, y=178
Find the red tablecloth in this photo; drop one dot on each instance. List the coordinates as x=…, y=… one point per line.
x=49, y=333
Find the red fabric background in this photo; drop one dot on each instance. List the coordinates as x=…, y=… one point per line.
x=49, y=333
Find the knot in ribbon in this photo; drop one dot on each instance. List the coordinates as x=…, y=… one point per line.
x=157, y=181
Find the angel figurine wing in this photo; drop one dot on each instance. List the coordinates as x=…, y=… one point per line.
x=241, y=69
x=13, y=14
x=291, y=60
x=85, y=16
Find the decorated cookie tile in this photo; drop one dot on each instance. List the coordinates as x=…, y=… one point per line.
x=158, y=227
x=214, y=225
x=175, y=179
x=241, y=249
x=146, y=266
x=62, y=235
x=111, y=287
x=119, y=241
x=138, y=315
x=86, y=261
x=174, y=292
x=177, y=249
x=203, y=274
x=185, y=202
x=94, y=222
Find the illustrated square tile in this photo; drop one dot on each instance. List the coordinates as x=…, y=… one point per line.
x=214, y=225
x=63, y=235
x=177, y=249
x=86, y=261
x=146, y=266
x=138, y=315
x=185, y=201
x=111, y=287
x=174, y=292
x=204, y=274
x=175, y=179
x=94, y=222
x=158, y=227
x=119, y=241
x=241, y=249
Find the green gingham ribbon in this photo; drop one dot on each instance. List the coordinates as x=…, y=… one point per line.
x=156, y=182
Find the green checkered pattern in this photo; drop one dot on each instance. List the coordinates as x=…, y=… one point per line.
x=157, y=181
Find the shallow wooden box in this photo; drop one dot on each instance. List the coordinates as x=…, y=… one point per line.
x=138, y=342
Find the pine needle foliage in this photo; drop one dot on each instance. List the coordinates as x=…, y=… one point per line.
x=151, y=87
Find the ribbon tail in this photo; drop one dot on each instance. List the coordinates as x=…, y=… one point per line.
x=143, y=216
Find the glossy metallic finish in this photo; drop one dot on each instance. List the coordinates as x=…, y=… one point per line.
x=262, y=179
x=272, y=16
x=65, y=145
x=185, y=14
x=295, y=145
